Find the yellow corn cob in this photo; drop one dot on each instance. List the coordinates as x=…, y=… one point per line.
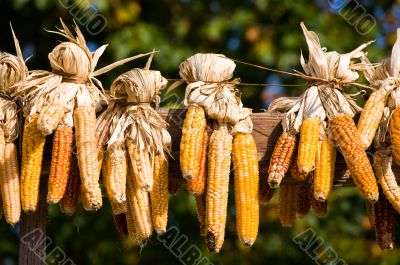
x=219, y=161
x=69, y=202
x=174, y=185
x=304, y=200
x=320, y=208
x=280, y=159
x=159, y=194
x=265, y=192
x=288, y=196
x=141, y=164
x=246, y=178
x=139, y=205
x=130, y=225
x=386, y=178
x=346, y=136
x=31, y=164
x=201, y=212
x=60, y=163
x=295, y=172
x=117, y=166
x=395, y=134
x=9, y=177
x=50, y=117
x=371, y=116
x=86, y=146
x=121, y=224
x=324, y=170
x=197, y=185
x=385, y=223
x=308, y=144
x=192, y=141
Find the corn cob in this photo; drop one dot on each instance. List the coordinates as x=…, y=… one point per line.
x=295, y=172
x=280, y=159
x=246, y=178
x=31, y=164
x=69, y=202
x=219, y=161
x=121, y=224
x=386, y=178
x=371, y=116
x=288, y=196
x=308, y=144
x=192, y=141
x=174, y=185
x=118, y=208
x=117, y=166
x=197, y=185
x=86, y=145
x=324, y=170
x=320, y=208
x=50, y=117
x=130, y=225
x=10, y=189
x=201, y=212
x=60, y=163
x=395, y=134
x=385, y=223
x=159, y=194
x=304, y=200
x=265, y=193
x=346, y=136
x=141, y=164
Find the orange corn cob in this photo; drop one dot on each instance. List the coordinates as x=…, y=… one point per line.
x=385, y=223
x=159, y=194
x=346, y=136
x=197, y=185
x=117, y=166
x=69, y=202
x=174, y=185
x=130, y=225
x=304, y=200
x=266, y=193
x=320, y=208
x=371, y=116
x=121, y=224
x=31, y=164
x=86, y=146
x=280, y=159
x=60, y=163
x=141, y=164
x=201, y=212
x=50, y=117
x=192, y=141
x=324, y=170
x=295, y=172
x=219, y=162
x=246, y=177
x=308, y=144
x=395, y=134
x=288, y=196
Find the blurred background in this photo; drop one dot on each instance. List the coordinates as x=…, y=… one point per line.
x=258, y=31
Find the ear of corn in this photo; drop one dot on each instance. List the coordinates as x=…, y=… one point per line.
x=246, y=181
x=50, y=117
x=86, y=146
x=281, y=158
x=320, y=208
x=197, y=185
x=219, y=161
x=201, y=212
x=394, y=130
x=69, y=202
x=130, y=225
x=9, y=180
x=387, y=179
x=346, y=136
x=324, y=170
x=115, y=178
x=308, y=144
x=174, y=185
x=304, y=200
x=288, y=196
x=385, y=223
x=60, y=163
x=371, y=116
x=295, y=172
x=121, y=224
x=141, y=164
x=159, y=194
x=192, y=141
x=265, y=192
x=31, y=164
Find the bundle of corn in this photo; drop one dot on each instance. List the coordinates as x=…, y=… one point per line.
x=12, y=70
x=210, y=95
x=55, y=102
